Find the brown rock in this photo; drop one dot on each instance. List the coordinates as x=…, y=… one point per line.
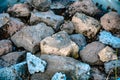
x=59, y=44
x=30, y=37
x=5, y=47
x=111, y=22
x=107, y=54
x=85, y=6
x=68, y=27
x=19, y=10
x=90, y=53
x=86, y=25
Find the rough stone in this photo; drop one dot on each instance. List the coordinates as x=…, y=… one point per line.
x=30, y=37
x=107, y=54
x=42, y=5
x=4, y=18
x=59, y=44
x=19, y=10
x=13, y=58
x=107, y=38
x=68, y=27
x=74, y=69
x=111, y=22
x=35, y=64
x=90, y=53
x=85, y=6
x=112, y=65
x=59, y=76
x=5, y=47
x=47, y=17
x=86, y=25
x=79, y=39
x=14, y=72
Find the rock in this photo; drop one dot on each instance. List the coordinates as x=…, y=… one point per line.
x=47, y=17
x=35, y=64
x=13, y=58
x=14, y=72
x=107, y=54
x=112, y=65
x=30, y=37
x=4, y=19
x=111, y=22
x=86, y=25
x=107, y=38
x=42, y=5
x=97, y=74
x=3, y=64
x=5, y=47
x=90, y=53
x=68, y=27
x=85, y=6
x=59, y=76
x=79, y=39
x=19, y=10
x=74, y=69
x=13, y=26
x=59, y=44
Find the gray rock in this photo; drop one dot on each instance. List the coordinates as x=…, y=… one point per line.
x=86, y=25
x=90, y=53
x=47, y=17
x=35, y=64
x=4, y=18
x=30, y=37
x=5, y=47
x=74, y=69
x=59, y=44
x=14, y=72
x=79, y=39
x=42, y=5
x=59, y=76
x=112, y=65
x=109, y=39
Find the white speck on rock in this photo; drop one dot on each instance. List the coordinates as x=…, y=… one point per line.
x=35, y=64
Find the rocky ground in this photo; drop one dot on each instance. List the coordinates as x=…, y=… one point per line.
x=59, y=40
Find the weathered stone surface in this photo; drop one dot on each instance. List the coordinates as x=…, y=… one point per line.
x=42, y=5
x=47, y=17
x=59, y=44
x=86, y=25
x=85, y=6
x=35, y=64
x=5, y=47
x=90, y=53
x=59, y=76
x=107, y=38
x=13, y=58
x=4, y=18
x=74, y=70
x=19, y=10
x=79, y=39
x=68, y=27
x=15, y=72
x=107, y=54
x=29, y=37
x=112, y=65
x=111, y=22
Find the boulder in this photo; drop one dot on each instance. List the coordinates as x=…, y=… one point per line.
x=90, y=53
x=59, y=44
x=74, y=69
x=30, y=37
x=48, y=17
x=86, y=25
x=5, y=47
x=107, y=38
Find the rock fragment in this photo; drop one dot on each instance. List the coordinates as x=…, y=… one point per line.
x=59, y=76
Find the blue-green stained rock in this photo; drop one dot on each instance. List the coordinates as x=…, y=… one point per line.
x=59, y=76
x=107, y=38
